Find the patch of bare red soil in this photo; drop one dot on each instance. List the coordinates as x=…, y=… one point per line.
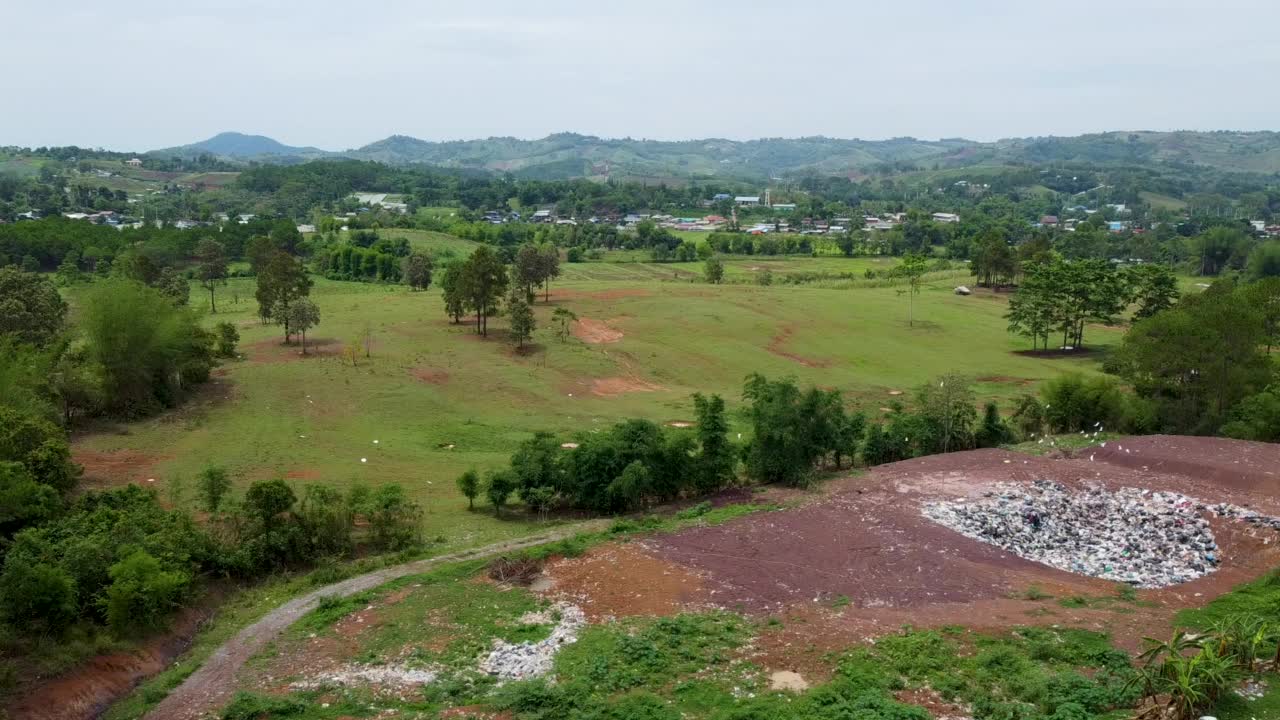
x=112, y=468
x=777, y=347
x=272, y=350
x=596, y=332
x=622, y=580
x=614, y=386
x=431, y=375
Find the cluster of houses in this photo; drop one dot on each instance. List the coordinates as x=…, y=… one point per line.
x=105, y=217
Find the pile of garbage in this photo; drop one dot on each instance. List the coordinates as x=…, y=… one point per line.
x=516, y=661
x=1147, y=539
x=387, y=676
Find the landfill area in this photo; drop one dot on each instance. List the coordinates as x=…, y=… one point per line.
x=973, y=538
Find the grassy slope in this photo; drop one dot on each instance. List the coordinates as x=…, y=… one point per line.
x=317, y=417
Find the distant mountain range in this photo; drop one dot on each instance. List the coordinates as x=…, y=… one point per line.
x=569, y=155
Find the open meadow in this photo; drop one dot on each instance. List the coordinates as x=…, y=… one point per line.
x=433, y=399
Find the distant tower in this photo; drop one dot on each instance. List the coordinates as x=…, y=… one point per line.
x=767, y=202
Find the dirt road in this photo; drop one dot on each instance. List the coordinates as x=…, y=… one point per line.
x=213, y=684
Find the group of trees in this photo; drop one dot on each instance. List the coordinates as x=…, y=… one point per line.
x=1204, y=364
x=1059, y=295
x=122, y=560
x=793, y=435
x=635, y=464
x=480, y=283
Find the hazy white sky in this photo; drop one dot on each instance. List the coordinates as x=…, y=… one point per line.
x=143, y=74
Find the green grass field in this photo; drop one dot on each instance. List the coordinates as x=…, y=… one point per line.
x=439, y=400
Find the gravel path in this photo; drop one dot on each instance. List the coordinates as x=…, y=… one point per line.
x=211, y=686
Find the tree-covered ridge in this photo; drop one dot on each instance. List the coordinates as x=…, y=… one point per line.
x=567, y=155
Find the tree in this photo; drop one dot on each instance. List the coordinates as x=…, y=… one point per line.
x=946, y=405
x=455, y=301
x=1154, y=288
x=522, y=321
x=23, y=501
x=1198, y=358
x=174, y=286
x=716, y=455
x=39, y=446
x=282, y=281
x=1215, y=247
x=1256, y=417
x=792, y=431
x=846, y=243
x=226, y=337
x=1264, y=261
x=31, y=309
x=993, y=432
x=212, y=484
x=912, y=269
x=564, y=318
x=267, y=499
x=498, y=487
x=142, y=593
x=469, y=485
x=993, y=261
x=1264, y=296
x=302, y=316
x=528, y=269
x=417, y=271
x=713, y=271
x=483, y=283
x=149, y=350
x=394, y=519
x=549, y=255
x=536, y=464
x=36, y=595
x=211, y=267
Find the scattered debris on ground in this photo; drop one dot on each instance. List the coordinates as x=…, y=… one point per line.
x=387, y=676
x=1144, y=538
x=515, y=571
x=517, y=661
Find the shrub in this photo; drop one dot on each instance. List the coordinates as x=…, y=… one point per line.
x=1073, y=403
x=142, y=593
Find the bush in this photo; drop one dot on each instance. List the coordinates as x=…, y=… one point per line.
x=1074, y=403
x=142, y=593
x=227, y=336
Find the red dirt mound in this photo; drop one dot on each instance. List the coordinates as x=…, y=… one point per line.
x=596, y=332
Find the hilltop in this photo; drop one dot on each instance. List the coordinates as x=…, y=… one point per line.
x=570, y=155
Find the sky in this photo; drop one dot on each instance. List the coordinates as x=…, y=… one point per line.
x=146, y=74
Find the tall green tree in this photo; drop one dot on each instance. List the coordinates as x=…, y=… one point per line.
x=523, y=322
x=282, y=281
x=483, y=283
x=912, y=269
x=713, y=270
x=716, y=454
x=31, y=309
x=211, y=268
x=417, y=271
x=302, y=315
x=1198, y=358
